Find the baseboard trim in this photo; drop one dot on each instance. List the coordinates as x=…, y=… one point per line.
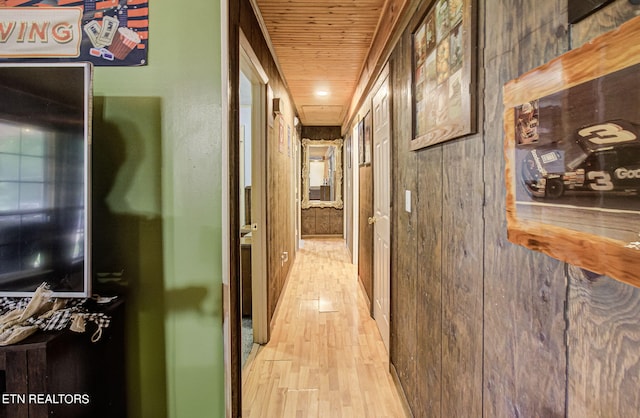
x=403, y=396
x=366, y=297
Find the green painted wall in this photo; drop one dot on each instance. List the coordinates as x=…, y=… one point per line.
x=158, y=209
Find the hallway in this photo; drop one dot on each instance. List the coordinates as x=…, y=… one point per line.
x=326, y=357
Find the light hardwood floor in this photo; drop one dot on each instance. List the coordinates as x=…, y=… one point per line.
x=326, y=357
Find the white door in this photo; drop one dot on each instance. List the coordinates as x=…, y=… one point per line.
x=382, y=210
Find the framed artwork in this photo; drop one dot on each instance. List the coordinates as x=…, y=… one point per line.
x=367, y=138
x=347, y=143
x=579, y=9
x=270, y=117
x=572, y=150
x=281, y=141
x=288, y=140
x=443, y=77
x=112, y=33
x=361, y=159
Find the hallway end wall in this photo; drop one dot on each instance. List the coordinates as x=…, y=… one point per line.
x=322, y=221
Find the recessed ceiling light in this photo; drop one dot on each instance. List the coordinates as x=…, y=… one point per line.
x=322, y=93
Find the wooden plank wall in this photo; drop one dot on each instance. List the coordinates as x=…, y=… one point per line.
x=478, y=324
x=321, y=132
x=525, y=291
x=322, y=221
x=403, y=349
x=436, y=286
x=603, y=314
x=279, y=223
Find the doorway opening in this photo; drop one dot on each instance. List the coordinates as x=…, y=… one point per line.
x=252, y=204
x=382, y=208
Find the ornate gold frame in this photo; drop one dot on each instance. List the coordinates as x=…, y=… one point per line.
x=306, y=203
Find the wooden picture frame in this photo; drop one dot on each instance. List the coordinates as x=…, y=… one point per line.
x=443, y=76
x=270, y=115
x=367, y=138
x=281, y=139
x=572, y=150
x=361, y=157
x=347, y=152
x=579, y=9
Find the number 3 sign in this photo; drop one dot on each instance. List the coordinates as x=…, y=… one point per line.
x=606, y=134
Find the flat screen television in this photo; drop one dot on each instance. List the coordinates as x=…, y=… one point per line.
x=45, y=166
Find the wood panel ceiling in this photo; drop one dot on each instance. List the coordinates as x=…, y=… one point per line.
x=321, y=45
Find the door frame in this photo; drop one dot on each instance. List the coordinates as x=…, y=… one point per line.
x=383, y=81
x=234, y=45
x=251, y=67
x=355, y=192
x=297, y=179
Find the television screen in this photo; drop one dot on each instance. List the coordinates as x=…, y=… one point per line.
x=44, y=178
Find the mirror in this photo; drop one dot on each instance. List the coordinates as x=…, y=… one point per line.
x=321, y=173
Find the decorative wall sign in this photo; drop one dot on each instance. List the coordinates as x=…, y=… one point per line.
x=105, y=33
x=572, y=146
x=443, y=73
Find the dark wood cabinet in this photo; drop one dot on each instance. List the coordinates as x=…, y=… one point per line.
x=64, y=374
